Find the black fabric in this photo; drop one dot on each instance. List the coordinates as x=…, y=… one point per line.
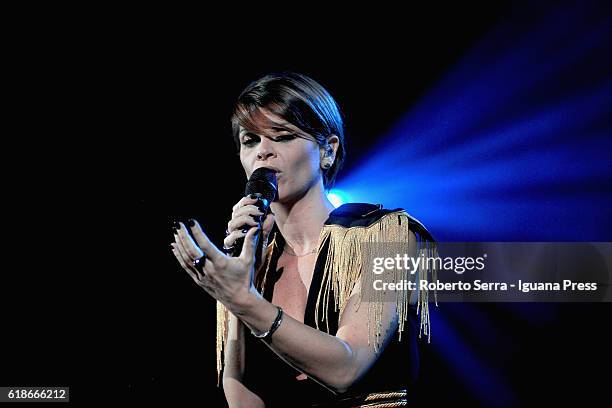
x=274, y=380
x=362, y=214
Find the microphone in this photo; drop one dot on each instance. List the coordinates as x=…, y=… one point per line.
x=263, y=184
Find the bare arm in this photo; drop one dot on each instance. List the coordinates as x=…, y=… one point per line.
x=336, y=362
x=236, y=393
x=333, y=361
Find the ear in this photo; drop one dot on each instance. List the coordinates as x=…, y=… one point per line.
x=334, y=142
x=329, y=150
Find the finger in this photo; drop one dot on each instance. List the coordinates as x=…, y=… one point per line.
x=201, y=271
x=268, y=223
x=211, y=251
x=248, y=210
x=184, y=265
x=244, y=201
x=237, y=223
x=248, y=248
x=190, y=247
x=181, y=248
x=182, y=252
x=230, y=240
x=189, y=266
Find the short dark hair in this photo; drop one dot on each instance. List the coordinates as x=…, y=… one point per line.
x=299, y=100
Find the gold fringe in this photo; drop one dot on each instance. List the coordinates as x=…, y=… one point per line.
x=267, y=257
x=349, y=253
x=401, y=403
x=222, y=326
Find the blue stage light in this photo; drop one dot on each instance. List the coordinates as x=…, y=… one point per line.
x=513, y=143
x=338, y=197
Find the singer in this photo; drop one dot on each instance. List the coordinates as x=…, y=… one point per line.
x=294, y=327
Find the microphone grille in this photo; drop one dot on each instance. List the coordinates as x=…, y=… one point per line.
x=263, y=181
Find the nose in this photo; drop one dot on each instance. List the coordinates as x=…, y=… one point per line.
x=265, y=150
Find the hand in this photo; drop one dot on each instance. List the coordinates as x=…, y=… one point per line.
x=243, y=213
x=227, y=279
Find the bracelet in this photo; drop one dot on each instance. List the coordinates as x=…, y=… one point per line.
x=277, y=322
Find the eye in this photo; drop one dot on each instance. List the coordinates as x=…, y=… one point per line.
x=249, y=141
x=285, y=138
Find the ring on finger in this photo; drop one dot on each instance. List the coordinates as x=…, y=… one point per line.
x=198, y=264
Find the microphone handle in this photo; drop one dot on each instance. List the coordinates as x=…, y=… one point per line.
x=263, y=205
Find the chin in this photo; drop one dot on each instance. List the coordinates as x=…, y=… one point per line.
x=290, y=197
x=284, y=196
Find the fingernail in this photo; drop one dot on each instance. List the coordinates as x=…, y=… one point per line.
x=191, y=222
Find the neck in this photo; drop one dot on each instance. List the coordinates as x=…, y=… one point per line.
x=301, y=221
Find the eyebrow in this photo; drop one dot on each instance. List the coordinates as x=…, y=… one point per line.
x=281, y=128
x=273, y=128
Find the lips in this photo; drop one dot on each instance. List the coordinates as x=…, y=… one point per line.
x=269, y=167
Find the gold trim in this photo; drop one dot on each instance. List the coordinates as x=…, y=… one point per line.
x=346, y=259
x=401, y=403
x=381, y=395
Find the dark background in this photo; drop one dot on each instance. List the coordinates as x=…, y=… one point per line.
x=114, y=315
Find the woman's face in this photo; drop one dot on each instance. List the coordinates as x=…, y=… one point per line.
x=276, y=145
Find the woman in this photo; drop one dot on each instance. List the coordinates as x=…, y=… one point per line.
x=293, y=321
